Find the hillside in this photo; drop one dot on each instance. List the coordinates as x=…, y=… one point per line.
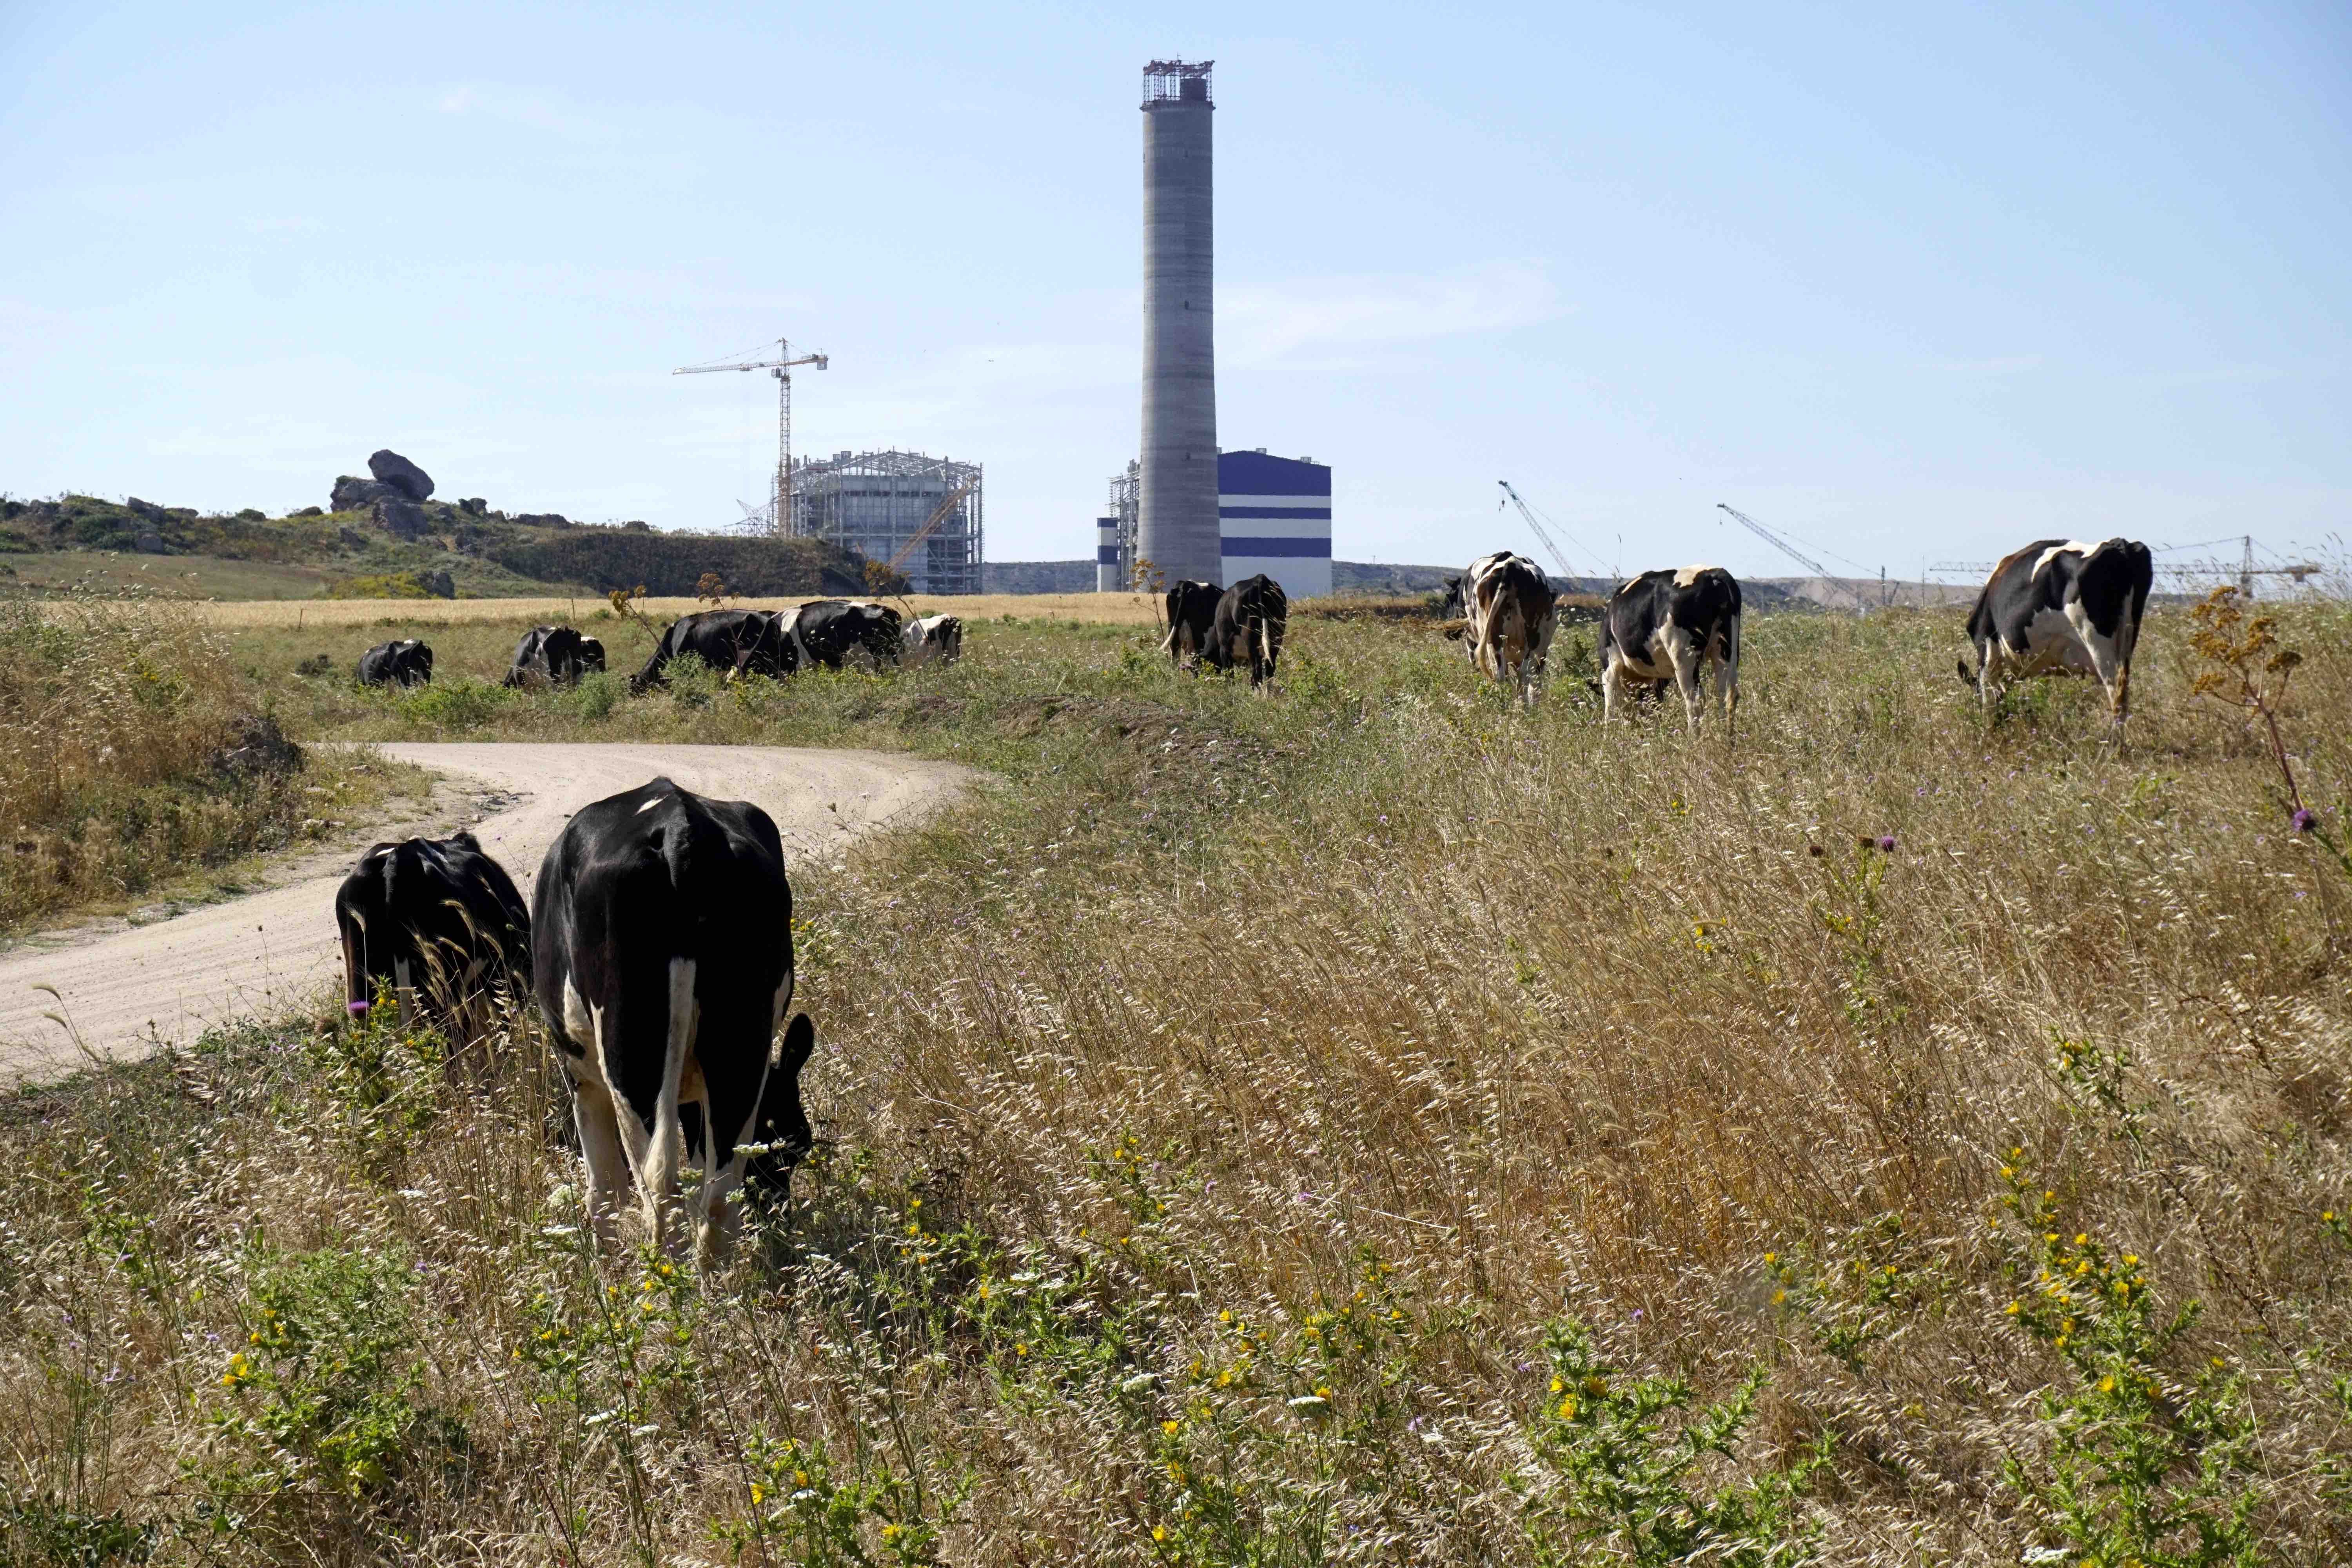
x=432, y=549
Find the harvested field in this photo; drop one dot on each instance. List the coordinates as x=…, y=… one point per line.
x=1100, y=609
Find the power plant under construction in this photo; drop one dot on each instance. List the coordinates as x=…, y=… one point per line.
x=912, y=513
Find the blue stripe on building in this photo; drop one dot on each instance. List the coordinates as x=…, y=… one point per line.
x=1106, y=555
x=1259, y=474
x=1313, y=549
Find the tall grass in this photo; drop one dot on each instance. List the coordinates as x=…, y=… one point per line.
x=132, y=748
x=1370, y=1124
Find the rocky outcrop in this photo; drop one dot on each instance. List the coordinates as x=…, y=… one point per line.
x=438, y=583
x=401, y=518
x=390, y=468
x=150, y=543
x=474, y=504
x=541, y=519
x=352, y=493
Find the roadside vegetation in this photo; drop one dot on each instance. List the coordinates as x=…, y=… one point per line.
x=136, y=761
x=1366, y=1125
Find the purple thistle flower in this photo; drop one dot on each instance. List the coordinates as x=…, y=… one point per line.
x=2303, y=819
x=1886, y=842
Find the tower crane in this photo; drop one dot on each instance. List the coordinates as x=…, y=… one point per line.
x=1526, y=511
x=1774, y=540
x=782, y=368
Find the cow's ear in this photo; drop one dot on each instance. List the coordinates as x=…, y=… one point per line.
x=800, y=1040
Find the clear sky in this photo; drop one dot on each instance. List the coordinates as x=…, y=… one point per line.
x=1910, y=283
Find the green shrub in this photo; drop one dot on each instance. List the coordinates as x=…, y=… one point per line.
x=460, y=702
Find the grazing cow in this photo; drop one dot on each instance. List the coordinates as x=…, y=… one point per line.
x=663, y=964
x=405, y=663
x=591, y=655
x=437, y=920
x=828, y=631
x=1670, y=626
x=2060, y=606
x=1248, y=625
x=934, y=639
x=551, y=656
x=747, y=642
x=1191, y=612
x=1510, y=613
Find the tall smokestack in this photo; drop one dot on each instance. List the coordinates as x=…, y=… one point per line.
x=1177, y=522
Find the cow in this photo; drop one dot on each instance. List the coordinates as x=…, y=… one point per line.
x=1191, y=612
x=1248, y=625
x=663, y=964
x=828, y=631
x=403, y=663
x=1509, y=616
x=440, y=924
x=551, y=656
x=933, y=639
x=591, y=655
x=744, y=642
x=1670, y=625
x=2060, y=607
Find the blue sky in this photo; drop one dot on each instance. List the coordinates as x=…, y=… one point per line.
x=1908, y=283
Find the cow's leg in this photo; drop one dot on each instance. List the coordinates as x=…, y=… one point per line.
x=658, y=1171
x=1684, y=656
x=600, y=1147
x=2107, y=663
x=1726, y=677
x=1612, y=673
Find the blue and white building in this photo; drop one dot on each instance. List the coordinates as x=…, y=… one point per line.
x=1274, y=515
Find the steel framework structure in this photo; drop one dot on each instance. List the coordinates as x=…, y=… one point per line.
x=1127, y=505
x=877, y=503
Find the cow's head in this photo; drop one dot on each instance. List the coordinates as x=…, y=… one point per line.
x=782, y=1125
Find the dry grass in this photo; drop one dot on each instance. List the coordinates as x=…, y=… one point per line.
x=1215, y=1121
x=132, y=750
x=1093, y=609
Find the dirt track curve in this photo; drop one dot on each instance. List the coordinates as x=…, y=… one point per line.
x=258, y=956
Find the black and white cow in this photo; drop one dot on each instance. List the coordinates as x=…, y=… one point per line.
x=1247, y=628
x=2060, y=606
x=828, y=631
x=663, y=964
x=933, y=639
x=744, y=642
x=591, y=655
x=1191, y=613
x=551, y=656
x=1509, y=614
x=440, y=922
x=405, y=663
x=1668, y=625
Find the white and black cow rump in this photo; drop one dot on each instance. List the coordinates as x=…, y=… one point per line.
x=1509, y=614
x=741, y=642
x=591, y=655
x=1672, y=625
x=551, y=655
x=438, y=922
x=407, y=662
x=933, y=639
x=1250, y=619
x=2060, y=607
x=1191, y=613
x=662, y=961
x=828, y=631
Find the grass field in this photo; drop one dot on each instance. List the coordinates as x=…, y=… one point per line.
x=1364, y=1125
x=1103, y=609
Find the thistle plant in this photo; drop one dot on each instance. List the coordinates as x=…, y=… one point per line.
x=2248, y=667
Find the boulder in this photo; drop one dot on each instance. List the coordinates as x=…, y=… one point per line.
x=150, y=543
x=474, y=504
x=310, y=511
x=143, y=507
x=390, y=468
x=542, y=520
x=353, y=494
x=401, y=518
x=351, y=537
x=438, y=585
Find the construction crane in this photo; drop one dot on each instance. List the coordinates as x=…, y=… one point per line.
x=945, y=509
x=782, y=368
x=1774, y=540
x=1542, y=533
x=2191, y=574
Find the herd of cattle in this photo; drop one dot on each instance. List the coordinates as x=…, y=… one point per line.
x=658, y=947
x=823, y=632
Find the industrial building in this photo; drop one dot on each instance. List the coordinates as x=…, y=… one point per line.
x=1177, y=500
x=1274, y=515
x=917, y=514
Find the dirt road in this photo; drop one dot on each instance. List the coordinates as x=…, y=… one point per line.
x=264, y=954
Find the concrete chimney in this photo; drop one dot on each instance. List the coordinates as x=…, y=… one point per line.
x=1177, y=522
